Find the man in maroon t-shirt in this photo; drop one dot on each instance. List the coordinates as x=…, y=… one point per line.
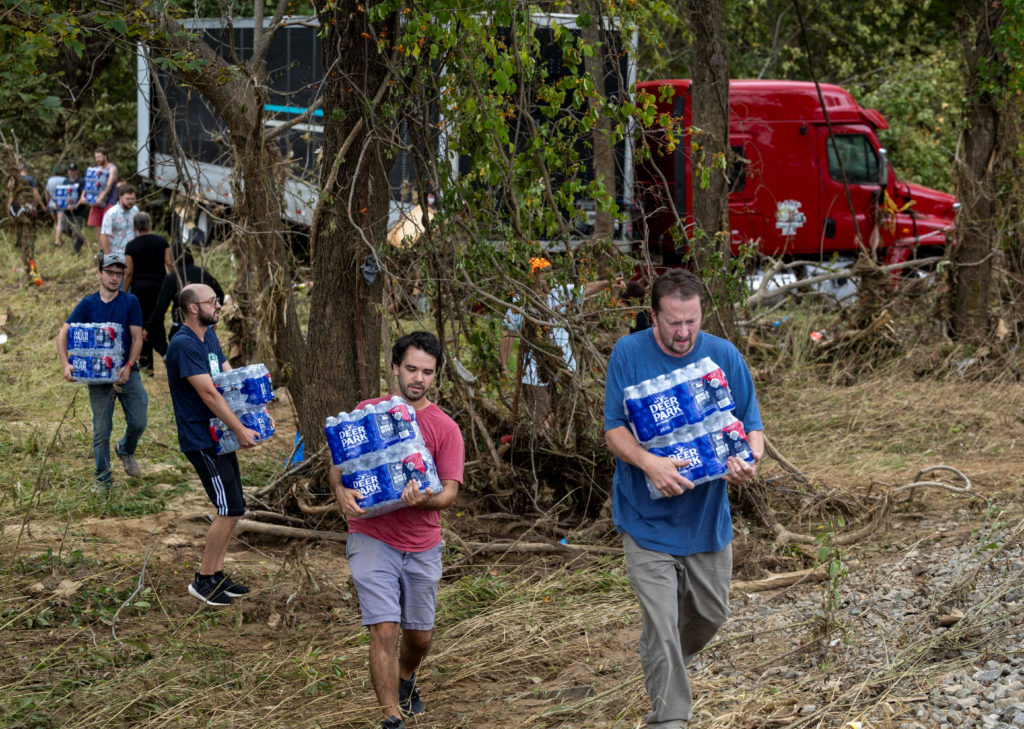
x=395, y=558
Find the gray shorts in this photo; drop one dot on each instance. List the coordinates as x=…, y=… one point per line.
x=394, y=586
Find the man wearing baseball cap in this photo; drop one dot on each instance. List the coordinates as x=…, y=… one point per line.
x=111, y=304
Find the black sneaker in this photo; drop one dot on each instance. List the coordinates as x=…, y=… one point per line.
x=409, y=700
x=392, y=722
x=207, y=590
x=229, y=588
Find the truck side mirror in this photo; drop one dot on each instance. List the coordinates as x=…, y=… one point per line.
x=883, y=167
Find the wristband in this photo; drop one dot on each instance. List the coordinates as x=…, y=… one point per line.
x=130, y=363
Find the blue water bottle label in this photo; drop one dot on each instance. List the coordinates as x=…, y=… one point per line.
x=374, y=484
x=409, y=468
x=662, y=412
x=691, y=451
x=258, y=390
x=354, y=438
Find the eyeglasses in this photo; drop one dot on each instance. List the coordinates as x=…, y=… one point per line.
x=114, y=271
x=212, y=302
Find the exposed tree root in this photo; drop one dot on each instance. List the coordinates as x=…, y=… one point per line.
x=786, y=579
x=773, y=452
x=918, y=483
x=300, y=491
x=879, y=518
x=880, y=514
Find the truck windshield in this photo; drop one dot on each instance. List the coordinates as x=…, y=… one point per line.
x=860, y=161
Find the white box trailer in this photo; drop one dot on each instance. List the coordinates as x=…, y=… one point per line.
x=294, y=68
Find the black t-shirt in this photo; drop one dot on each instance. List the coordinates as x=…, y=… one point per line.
x=147, y=252
x=188, y=355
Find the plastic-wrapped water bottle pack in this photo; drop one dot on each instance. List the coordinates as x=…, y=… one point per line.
x=94, y=182
x=381, y=476
x=245, y=387
x=96, y=351
x=707, y=446
x=247, y=391
x=686, y=414
x=64, y=196
x=379, y=449
x=257, y=419
x=373, y=428
x=685, y=396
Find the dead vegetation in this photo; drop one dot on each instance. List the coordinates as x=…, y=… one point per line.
x=532, y=632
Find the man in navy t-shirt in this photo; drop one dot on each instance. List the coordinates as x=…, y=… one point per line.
x=110, y=304
x=678, y=548
x=194, y=356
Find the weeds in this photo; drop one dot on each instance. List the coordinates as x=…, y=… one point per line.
x=831, y=557
x=48, y=562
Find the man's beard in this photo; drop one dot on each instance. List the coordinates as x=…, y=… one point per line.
x=207, y=320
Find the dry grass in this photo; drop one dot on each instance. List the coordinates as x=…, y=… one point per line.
x=888, y=426
x=520, y=642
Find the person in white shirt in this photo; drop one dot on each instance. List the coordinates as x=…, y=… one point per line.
x=118, y=225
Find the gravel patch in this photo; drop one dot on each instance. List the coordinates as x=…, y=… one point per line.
x=890, y=645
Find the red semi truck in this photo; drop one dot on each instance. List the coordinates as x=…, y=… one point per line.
x=787, y=193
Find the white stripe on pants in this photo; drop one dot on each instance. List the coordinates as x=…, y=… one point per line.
x=221, y=500
x=684, y=601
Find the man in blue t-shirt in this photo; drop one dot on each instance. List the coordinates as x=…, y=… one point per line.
x=110, y=304
x=194, y=356
x=678, y=548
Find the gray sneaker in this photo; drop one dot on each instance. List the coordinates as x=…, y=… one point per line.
x=131, y=466
x=100, y=489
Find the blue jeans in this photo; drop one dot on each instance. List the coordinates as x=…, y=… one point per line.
x=134, y=402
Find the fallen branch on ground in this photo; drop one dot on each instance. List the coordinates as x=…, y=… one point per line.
x=279, y=530
x=536, y=547
x=786, y=579
x=881, y=516
x=261, y=514
x=773, y=452
x=138, y=587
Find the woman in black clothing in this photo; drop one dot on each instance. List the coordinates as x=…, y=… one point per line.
x=185, y=272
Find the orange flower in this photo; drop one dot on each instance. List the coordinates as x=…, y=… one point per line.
x=539, y=264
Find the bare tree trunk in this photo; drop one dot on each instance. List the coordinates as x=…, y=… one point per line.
x=710, y=243
x=343, y=362
x=977, y=172
x=262, y=287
